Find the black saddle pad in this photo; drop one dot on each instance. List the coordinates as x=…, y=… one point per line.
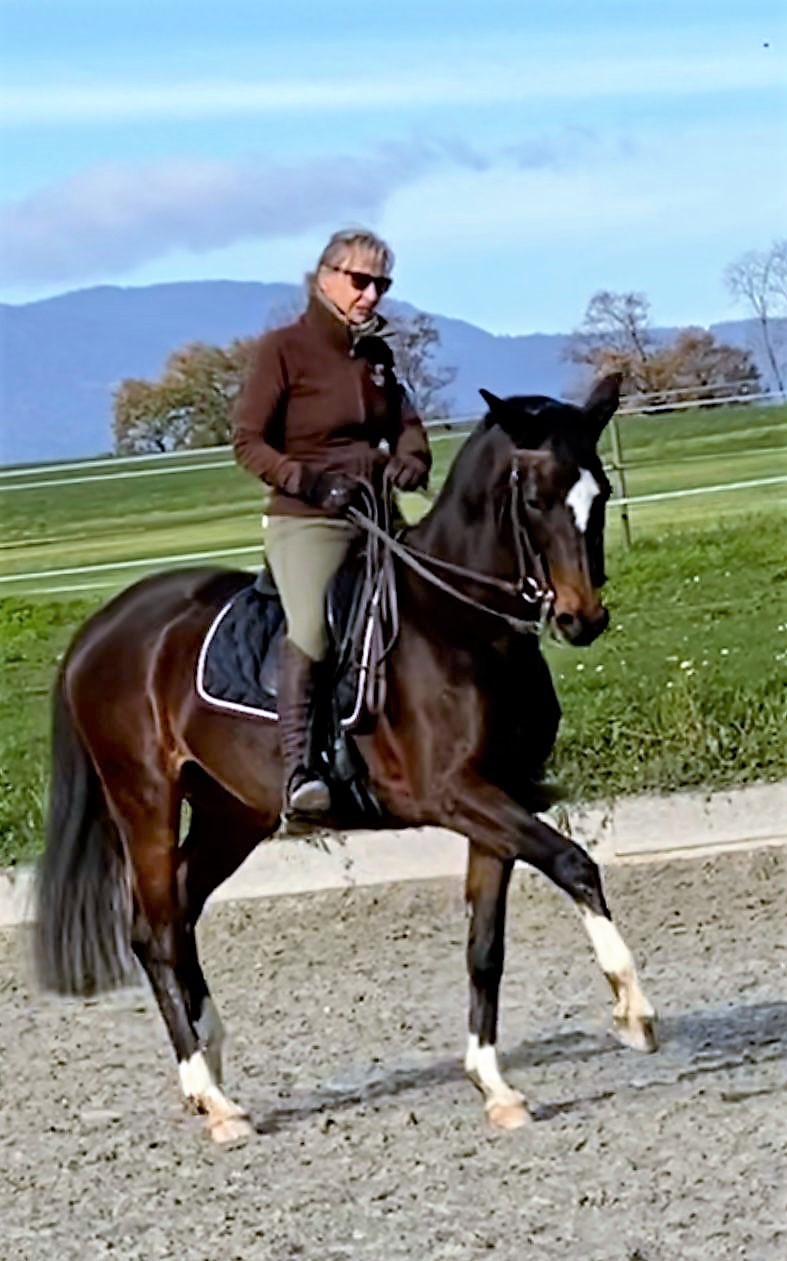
x=238, y=665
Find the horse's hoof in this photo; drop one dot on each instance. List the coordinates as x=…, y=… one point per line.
x=231, y=1131
x=638, y=1033
x=507, y=1114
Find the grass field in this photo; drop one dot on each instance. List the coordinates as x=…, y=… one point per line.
x=685, y=689
x=194, y=506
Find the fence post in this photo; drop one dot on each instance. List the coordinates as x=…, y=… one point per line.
x=618, y=466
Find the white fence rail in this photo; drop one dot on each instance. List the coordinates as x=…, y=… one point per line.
x=154, y=562
x=35, y=481
x=107, y=469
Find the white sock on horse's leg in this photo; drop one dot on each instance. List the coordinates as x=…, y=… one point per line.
x=210, y=1032
x=226, y=1120
x=632, y=1013
x=505, y=1106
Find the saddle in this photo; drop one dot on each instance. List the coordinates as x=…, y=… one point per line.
x=237, y=668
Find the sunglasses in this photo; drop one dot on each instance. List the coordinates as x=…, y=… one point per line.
x=361, y=280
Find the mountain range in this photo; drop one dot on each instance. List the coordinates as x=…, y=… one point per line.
x=63, y=357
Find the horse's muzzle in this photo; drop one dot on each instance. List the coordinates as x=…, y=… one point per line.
x=581, y=629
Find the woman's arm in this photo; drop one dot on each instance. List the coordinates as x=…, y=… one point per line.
x=258, y=411
x=410, y=454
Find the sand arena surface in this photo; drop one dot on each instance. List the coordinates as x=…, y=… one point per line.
x=346, y=1019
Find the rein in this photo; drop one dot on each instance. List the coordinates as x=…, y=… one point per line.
x=531, y=587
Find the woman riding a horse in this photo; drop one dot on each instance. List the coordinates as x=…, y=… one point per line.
x=319, y=399
x=512, y=544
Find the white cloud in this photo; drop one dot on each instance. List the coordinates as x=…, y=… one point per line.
x=112, y=218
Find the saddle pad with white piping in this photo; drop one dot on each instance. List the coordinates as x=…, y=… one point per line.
x=237, y=667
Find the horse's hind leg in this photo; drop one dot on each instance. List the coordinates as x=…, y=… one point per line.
x=202, y=1011
x=486, y=893
x=222, y=832
x=164, y=944
x=162, y=938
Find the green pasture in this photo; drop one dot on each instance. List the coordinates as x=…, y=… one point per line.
x=137, y=515
x=686, y=688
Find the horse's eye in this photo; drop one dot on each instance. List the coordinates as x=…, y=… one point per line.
x=534, y=505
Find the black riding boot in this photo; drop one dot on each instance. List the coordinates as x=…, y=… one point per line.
x=305, y=790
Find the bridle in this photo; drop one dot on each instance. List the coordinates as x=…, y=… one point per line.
x=531, y=584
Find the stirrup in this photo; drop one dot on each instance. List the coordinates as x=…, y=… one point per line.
x=308, y=793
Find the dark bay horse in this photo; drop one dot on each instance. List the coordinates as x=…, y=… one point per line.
x=470, y=717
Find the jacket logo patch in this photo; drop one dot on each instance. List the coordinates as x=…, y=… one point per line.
x=377, y=374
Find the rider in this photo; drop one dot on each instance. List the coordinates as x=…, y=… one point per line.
x=320, y=396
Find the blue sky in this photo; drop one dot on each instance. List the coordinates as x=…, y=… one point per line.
x=518, y=154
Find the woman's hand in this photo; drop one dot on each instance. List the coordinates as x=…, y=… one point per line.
x=407, y=472
x=331, y=492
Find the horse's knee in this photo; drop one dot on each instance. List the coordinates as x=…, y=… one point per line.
x=575, y=872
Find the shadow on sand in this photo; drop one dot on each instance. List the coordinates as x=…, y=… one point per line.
x=692, y=1045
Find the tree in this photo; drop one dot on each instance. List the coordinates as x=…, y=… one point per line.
x=778, y=275
x=759, y=280
x=188, y=407
x=615, y=336
x=698, y=365
x=191, y=404
x=416, y=341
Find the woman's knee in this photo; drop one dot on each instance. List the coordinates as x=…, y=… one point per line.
x=310, y=635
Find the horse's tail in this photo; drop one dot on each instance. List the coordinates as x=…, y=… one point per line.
x=83, y=889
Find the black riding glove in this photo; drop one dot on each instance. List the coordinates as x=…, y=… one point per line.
x=332, y=493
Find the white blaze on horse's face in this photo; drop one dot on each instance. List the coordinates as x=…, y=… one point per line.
x=581, y=496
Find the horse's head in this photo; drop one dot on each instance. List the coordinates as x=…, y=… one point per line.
x=560, y=491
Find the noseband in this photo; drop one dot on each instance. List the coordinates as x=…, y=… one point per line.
x=530, y=585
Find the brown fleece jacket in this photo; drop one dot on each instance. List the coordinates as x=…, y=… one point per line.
x=315, y=397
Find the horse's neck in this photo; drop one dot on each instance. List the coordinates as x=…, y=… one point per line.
x=459, y=633
x=472, y=527
x=462, y=526
x=446, y=534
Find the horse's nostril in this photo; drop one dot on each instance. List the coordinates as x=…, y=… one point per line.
x=566, y=620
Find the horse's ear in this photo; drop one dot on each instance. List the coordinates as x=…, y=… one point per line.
x=491, y=400
x=497, y=408
x=603, y=401
x=520, y=423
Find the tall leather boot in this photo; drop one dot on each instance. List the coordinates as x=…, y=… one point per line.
x=305, y=790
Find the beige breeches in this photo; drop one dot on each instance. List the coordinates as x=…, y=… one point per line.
x=303, y=554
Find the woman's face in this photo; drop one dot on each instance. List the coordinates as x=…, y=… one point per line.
x=354, y=285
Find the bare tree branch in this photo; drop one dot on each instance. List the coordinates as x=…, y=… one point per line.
x=615, y=336
x=759, y=280
x=416, y=341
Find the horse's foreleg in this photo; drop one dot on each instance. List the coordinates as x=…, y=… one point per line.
x=506, y=831
x=574, y=871
x=633, y=1015
x=486, y=892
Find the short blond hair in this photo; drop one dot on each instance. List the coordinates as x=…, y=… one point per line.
x=344, y=242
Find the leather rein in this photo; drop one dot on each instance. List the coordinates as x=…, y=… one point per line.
x=531, y=584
